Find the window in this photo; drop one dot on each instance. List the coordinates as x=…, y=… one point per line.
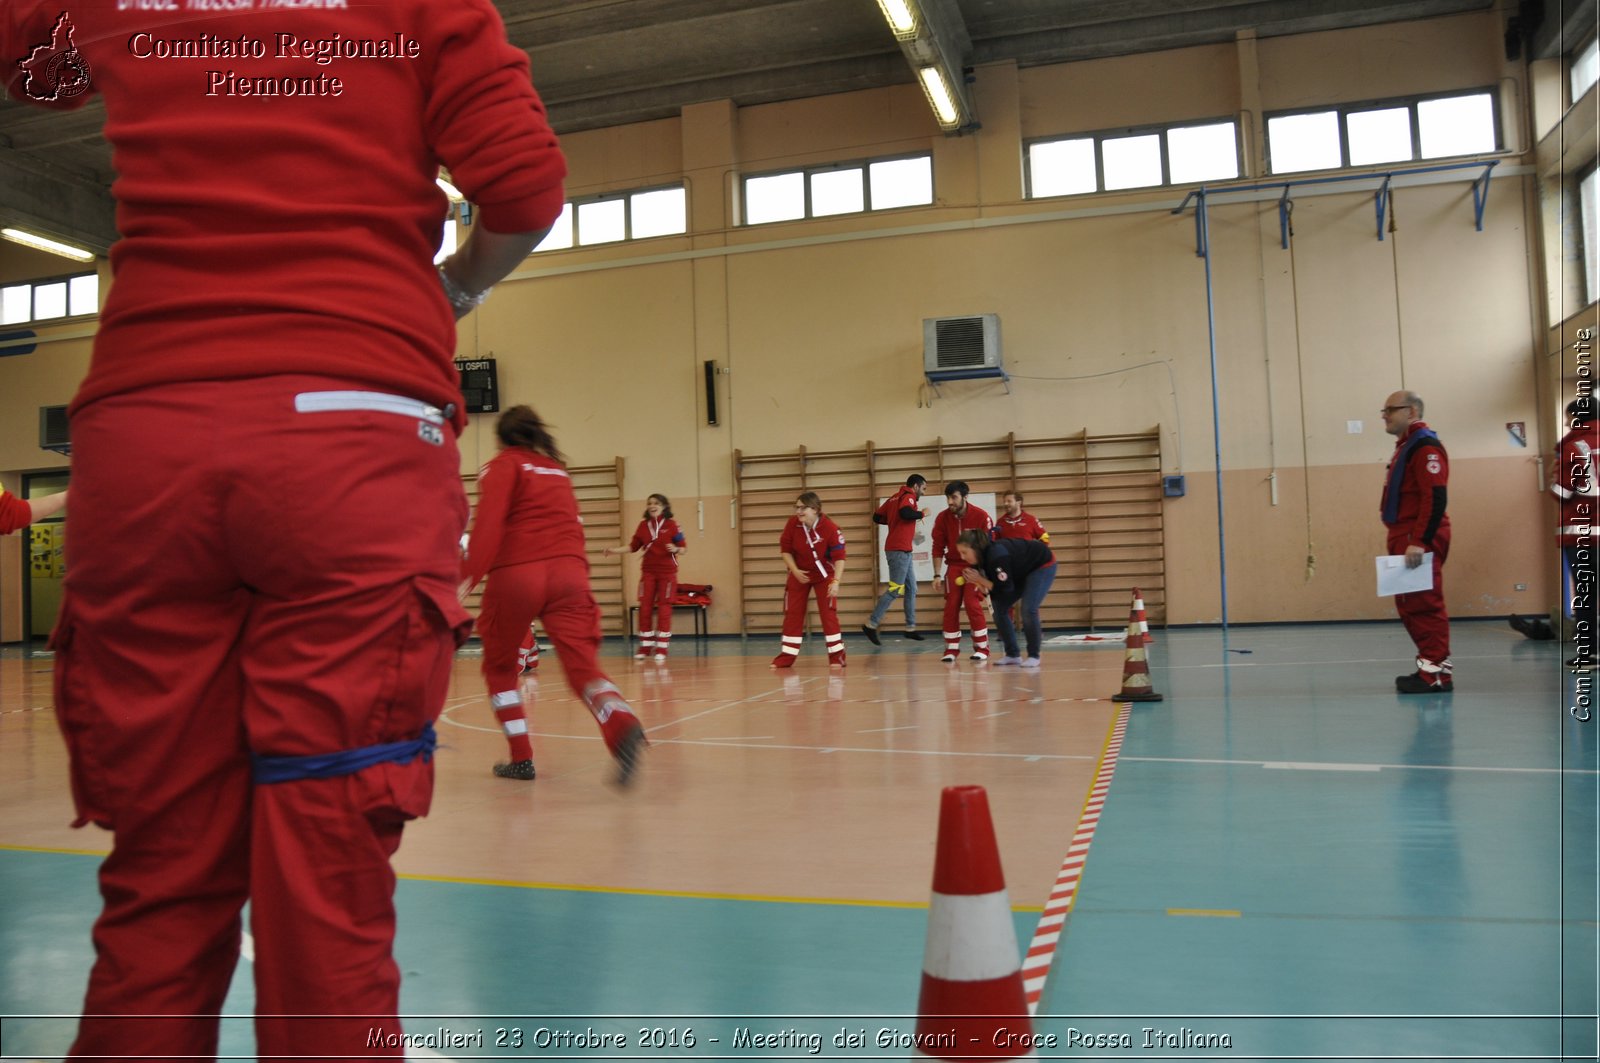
x=1589, y=209
x=50, y=300
x=843, y=188
x=447, y=242
x=1133, y=158
x=618, y=216
x=1371, y=134
x=1585, y=69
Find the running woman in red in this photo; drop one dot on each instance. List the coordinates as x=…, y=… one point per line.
x=661, y=540
x=959, y=516
x=528, y=539
x=812, y=548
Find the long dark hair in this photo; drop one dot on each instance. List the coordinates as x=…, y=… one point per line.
x=521, y=427
x=666, y=506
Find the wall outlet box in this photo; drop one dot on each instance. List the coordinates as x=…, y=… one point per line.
x=1172, y=486
x=1353, y=427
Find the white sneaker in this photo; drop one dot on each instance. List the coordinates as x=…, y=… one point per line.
x=949, y=656
x=1030, y=662
x=661, y=658
x=1005, y=661
x=980, y=657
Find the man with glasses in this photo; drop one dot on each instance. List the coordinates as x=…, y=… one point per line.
x=1413, y=507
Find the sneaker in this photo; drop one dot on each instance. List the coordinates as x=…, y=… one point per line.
x=517, y=769
x=783, y=660
x=1030, y=662
x=914, y=636
x=979, y=655
x=1007, y=661
x=643, y=655
x=661, y=658
x=836, y=660
x=949, y=657
x=628, y=753
x=1417, y=683
x=872, y=634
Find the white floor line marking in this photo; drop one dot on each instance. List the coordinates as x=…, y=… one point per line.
x=992, y=715
x=892, y=752
x=1307, y=765
x=1489, y=769
x=886, y=730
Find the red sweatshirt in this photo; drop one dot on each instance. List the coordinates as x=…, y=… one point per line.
x=527, y=511
x=653, y=536
x=947, y=528
x=815, y=550
x=14, y=513
x=1574, y=483
x=1422, y=490
x=902, y=529
x=1026, y=526
x=278, y=233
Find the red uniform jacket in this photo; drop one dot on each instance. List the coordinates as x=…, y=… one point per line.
x=653, y=536
x=815, y=550
x=14, y=513
x=1420, y=514
x=1574, y=482
x=1026, y=526
x=527, y=511
x=947, y=529
x=902, y=529
x=278, y=214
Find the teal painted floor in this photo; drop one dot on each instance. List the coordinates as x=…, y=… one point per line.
x=1292, y=859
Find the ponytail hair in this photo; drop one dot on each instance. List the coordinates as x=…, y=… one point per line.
x=666, y=506
x=521, y=427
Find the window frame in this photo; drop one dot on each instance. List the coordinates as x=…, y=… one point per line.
x=1411, y=102
x=1099, y=136
x=33, y=287
x=1572, y=64
x=1579, y=176
x=571, y=207
x=864, y=165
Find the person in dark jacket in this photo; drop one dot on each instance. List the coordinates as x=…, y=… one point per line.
x=1010, y=572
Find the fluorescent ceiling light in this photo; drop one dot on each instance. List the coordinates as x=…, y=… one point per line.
x=43, y=243
x=901, y=16
x=450, y=190
x=940, y=96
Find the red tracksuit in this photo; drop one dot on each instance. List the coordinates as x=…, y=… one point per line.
x=658, y=582
x=528, y=539
x=14, y=513
x=1420, y=520
x=947, y=528
x=902, y=532
x=816, y=551
x=301, y=552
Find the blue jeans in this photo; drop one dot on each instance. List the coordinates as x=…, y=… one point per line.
x=1034, y=588
x=901, y=575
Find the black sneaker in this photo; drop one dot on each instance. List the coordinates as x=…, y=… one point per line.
x=628, y=753
x=914, y=636
x=871, y=633
x=1416, y=684
x=517, y=769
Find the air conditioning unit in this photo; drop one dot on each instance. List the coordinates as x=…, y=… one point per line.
x=53, y=429
x=962, y=348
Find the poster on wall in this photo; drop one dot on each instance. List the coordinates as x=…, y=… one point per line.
x=922, y=546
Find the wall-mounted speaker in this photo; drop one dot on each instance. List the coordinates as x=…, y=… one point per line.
x=711, y=392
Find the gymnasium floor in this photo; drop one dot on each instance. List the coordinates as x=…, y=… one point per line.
x=1292, y=861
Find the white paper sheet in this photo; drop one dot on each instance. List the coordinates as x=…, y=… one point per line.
x=1395, y=578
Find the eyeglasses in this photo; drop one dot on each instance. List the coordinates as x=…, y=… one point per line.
x=1390, y=409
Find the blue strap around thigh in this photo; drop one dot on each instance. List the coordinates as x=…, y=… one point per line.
x=345, y=762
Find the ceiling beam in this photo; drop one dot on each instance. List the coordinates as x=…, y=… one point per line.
x=35, y=195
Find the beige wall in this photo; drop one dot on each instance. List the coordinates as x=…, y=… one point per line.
x=817, y=325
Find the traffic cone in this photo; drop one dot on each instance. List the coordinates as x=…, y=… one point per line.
x=1138, y=611
x=1136, y=685
x=972, y=1005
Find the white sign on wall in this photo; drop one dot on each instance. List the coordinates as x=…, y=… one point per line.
x=922, y=545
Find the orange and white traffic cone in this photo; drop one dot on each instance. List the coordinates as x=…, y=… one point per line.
x=1136, y=685
x=1138, y=612
x=972, y=1005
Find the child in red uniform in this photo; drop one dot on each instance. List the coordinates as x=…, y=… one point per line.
x=658, y=536
x=527, y=537
x=959, y=516
x=812, y=548
x=276, y=302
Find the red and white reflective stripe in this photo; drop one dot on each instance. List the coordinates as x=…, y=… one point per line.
x=1042, y=949
x=519, y=726
x=969, y=973
x=505, y=699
